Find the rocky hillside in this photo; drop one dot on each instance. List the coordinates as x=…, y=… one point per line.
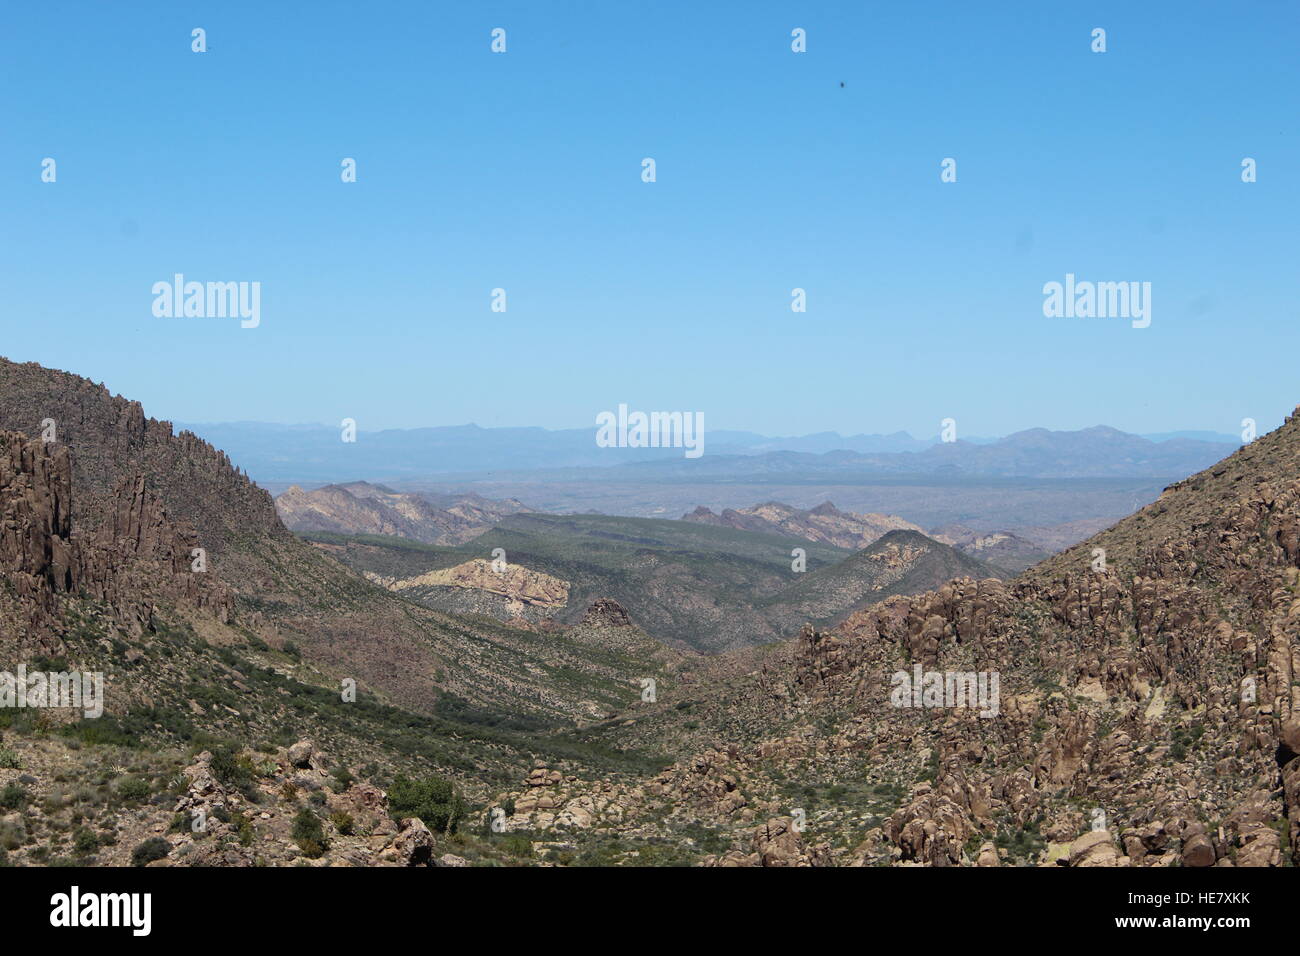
x=1131, y=701
x=202, y=693
x=900, y=562
x=131, y=558
x=1147, y=714
x=364, y=508
x=825, y=523
x=692, y=585
x=1007, y=553
x=113, y=507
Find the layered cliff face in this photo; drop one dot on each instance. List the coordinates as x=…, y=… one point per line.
x=1007, y=553
x=512, y=594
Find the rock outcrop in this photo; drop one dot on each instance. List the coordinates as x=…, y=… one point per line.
x=136, y=556
x=606, y=612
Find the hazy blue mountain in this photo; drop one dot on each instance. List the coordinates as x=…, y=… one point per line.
x=315, y=454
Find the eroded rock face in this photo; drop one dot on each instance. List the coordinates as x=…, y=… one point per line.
x=606, y=612
x=136, y=556
x=36, y=551
x=1094, y=849
x=779, y=843
x=520, y=586
x=552, y=801
x=931, y=829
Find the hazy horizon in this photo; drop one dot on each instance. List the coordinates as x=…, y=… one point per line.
x=1205, y=434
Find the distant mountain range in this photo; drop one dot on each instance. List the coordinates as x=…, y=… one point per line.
x=1098, y=452
x=315, y=454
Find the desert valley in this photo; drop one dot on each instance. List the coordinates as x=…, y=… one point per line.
x=412, y=679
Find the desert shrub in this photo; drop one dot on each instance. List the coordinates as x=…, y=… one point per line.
x=343, y=822
x=154, y=848
x=343, y=779
x=133, y=789
x=517, y=844
x=84, y=841
x=309, y=834
x=243, y=828
x=13, y=796
x=434, y=800
x=12, y=835
x=229, y=770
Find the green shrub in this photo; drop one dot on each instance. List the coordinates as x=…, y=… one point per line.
x=309, y=834
x=13, y=796
x=84, y=841
x=517, y=844
x=133, y=789
x=243, y=827
x=154, y=848
x=434, y=800
x=229, y=770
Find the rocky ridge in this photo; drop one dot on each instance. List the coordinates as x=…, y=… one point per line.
x=364, y=508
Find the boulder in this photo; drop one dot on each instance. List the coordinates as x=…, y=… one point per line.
x=1094, y=849
x=300, y=754
x=413, y=843
x=1198, y=851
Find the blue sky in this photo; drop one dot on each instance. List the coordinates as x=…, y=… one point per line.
x=479, y=170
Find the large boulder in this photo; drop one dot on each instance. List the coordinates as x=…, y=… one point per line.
x=300, y=754
x=1094, y=848
x=1288, y=745
x=1198, y=851
x=413, y=845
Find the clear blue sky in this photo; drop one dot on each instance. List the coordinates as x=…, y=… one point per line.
x=522, y=171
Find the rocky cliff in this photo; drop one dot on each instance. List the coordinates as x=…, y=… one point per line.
x=133, y=556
